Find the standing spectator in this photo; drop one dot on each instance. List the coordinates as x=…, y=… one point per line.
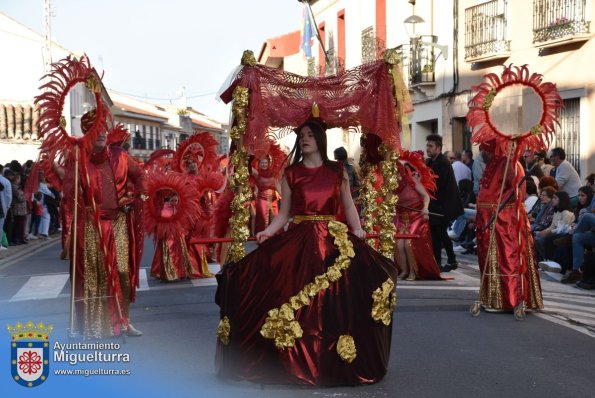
x=36, y=213
x=446, y=202
x=566, y=176
x=341, y=156
x=590, y=181
x=467, y=158
x=5, y=201
x=461, y=171
x=479, y=166
x=542, y=160
x=19, y=212
x=47, y=200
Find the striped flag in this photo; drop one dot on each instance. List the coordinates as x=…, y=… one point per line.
x=307, y=32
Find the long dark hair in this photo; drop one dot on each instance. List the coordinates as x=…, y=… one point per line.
x=563, y=201
x=587, y=190
x=319, y=131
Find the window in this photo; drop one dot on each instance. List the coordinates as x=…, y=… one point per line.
x=568, y=134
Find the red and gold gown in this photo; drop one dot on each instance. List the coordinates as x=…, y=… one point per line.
x=509, y=276
x=412, y=222
x=311, y=305
x=266, y=201
x=172, y=260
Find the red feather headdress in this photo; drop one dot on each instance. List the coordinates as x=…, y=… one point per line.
x=118, y=135
x=200, y=147
x=160, y=186
x=65, y=74
x=161, y=159
x=277, y=161
x=539, y=136
x=416, y=160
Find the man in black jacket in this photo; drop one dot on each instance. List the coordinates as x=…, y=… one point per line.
x=447, y=202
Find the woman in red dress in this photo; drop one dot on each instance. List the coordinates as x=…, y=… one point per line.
x=414, y=256
x=313, y=304
x=266, y=197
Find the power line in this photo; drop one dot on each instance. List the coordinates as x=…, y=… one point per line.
x=161, y=98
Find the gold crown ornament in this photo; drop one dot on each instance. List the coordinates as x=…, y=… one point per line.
x=30, y=331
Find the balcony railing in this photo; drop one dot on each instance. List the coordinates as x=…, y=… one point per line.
x=486, y=31
x=372, y=47
x=558, y=20
x=418, y=60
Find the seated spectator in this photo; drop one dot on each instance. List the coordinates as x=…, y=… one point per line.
x=583, y=236
x=547, y=181
x=531, y=190
x=543, y=212
x=563, y=245
x=542, y=160
x=561, y=221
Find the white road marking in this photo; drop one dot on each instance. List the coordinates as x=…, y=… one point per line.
x=41, y=287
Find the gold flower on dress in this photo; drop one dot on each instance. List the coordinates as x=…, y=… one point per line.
x=346, y=348
x=281, y=326
x=223, y=330
x=385, y=301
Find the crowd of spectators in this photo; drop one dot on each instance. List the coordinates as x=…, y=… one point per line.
x=561, y=211
x=23, y=218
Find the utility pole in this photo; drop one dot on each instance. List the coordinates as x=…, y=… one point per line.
x=47, y=35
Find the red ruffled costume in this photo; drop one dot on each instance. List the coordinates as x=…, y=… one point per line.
x=291, y=267
x=513, y=277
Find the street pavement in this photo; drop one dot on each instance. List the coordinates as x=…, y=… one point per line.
x=439, y=349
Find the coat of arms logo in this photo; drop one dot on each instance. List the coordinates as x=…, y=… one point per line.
x=29, y=349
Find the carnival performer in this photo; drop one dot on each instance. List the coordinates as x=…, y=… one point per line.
x=414, y=256
x=512, y=278
x=172, y=261
x=207, y=183
x=313, y=304
x=108, y=257
x=266, y=176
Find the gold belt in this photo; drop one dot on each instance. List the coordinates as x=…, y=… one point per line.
x=316, y=217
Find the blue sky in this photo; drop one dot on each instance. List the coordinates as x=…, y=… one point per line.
x=151, y=48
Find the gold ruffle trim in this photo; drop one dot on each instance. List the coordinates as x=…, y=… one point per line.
x=386, y=210
x=346, y=348
x=385, y=301
x=223, y=330
x=280, y=324
x=239, y=184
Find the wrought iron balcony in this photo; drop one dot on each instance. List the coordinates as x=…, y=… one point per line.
x=486, y=31
x=418, y=60
x=556, y=21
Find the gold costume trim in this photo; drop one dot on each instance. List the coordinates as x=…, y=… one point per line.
x=346, y=348
x=493, y=206
x=280, y=324
x=387, y=209
x=223, y=330
x=385, y=302
x=316, y=217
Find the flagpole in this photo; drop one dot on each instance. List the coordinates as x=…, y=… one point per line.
x=307, y=3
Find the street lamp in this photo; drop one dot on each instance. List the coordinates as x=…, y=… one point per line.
x=415, y=40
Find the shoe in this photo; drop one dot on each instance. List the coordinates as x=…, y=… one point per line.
x=411, y=277
x=31, y=237
x=403, y=275
x=458, y=249
x=551, y=266
x=445, y=268
x=572, y=277
x=3, y=248
x=585, y=285
x=132, y=331
x=453, y=265
x=451, y=234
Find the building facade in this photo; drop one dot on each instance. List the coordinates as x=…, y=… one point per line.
x=447, y=47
